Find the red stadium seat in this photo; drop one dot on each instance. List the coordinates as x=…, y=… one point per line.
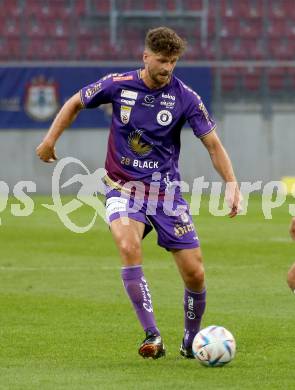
x=276, y=78
x=10, y=49
x=151, y=5
x=11, y=27
x=192, y=5
x=171, y=5
x=230, y=79
x=277, y=28
x=252, y=78
x=211, y=27
x=84, y=30
x=63, y=49
x=290, y=29
x=91, y=49
x=281, y=49
x=230, y=28
x=229, y=9
x=4, y=50
x=80, y=8
x=10, y=8
x=276, y=9
x=250, y=28
x=35, y=27
x=80, y=48
x=38, y=9
x=59, y=28
x=207, y=53
x=281, y=9
x=289, y=9
x=61, y=9
x=192, y=53
x=47, y=49
x=291, y=78
x=251, y=9
x=233, y=49
x=101, y=7
x=255, y=48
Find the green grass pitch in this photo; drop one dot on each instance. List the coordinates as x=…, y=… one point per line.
x=66, y=323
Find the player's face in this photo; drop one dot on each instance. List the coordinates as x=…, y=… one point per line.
x=159, y=68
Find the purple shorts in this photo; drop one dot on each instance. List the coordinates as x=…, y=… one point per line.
x=175, y=228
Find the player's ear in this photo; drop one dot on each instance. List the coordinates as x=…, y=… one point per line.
x=145, y=56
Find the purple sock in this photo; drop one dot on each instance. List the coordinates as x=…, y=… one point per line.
x=137, y=289
x=194, y=307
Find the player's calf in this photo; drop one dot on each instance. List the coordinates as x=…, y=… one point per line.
x=291, y=278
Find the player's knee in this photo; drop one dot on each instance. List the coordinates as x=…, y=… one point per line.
x=195, y=277
x=130, y=249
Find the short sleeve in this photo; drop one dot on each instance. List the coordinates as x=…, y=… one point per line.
x=97, y=93
x=196, y=114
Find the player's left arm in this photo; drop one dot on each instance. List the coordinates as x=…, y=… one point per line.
x=223, y=166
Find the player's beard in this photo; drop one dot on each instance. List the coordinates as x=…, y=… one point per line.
x=159, y=78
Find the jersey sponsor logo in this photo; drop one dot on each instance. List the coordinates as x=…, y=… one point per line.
x=149, y=99
x=128, y=102
x=125, y=93
x=137, y=145
x=122, y=78
x=92, y=90
x=125, y=112
x=169, y=105
x=181, y=230
x=167, y=96
x=164, y=117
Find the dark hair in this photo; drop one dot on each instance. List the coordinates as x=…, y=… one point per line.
x=165, y=41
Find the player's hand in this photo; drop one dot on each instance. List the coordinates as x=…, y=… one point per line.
x=46, y=152
x=292, y=228
x=233, y=198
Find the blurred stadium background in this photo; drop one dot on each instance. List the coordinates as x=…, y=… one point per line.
x=65, y=322
x=240, y=59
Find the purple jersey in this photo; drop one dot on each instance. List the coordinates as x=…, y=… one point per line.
x=146, y=124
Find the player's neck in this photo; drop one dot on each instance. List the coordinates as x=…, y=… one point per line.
x=150, y=83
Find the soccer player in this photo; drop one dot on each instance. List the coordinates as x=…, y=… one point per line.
x=150, y=107
x=291, y=272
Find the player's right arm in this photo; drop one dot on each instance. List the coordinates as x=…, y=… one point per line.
x=292, y=228
x=64, y=118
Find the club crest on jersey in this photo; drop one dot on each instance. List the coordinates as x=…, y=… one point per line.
x=41, y=99
x=139, y=146
x=164, y=117
x=125, y=112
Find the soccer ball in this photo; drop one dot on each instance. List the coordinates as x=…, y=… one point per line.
x=214, y=346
